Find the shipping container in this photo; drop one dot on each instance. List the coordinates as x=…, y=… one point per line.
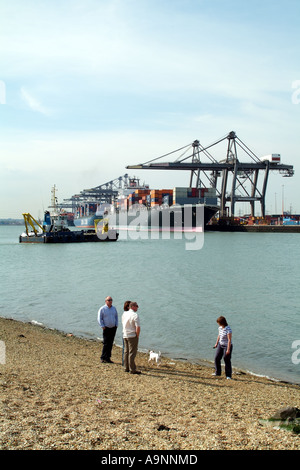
x=167, y=199
x=273, y=157
x=180, y=190
x=185, y=200
x=211, y=201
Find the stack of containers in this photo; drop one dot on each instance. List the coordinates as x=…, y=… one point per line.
x=193, y=192
x=194, y=196
x=178, y=195
x=141, y=196
x=131, y=200
x=185, y=195
x=155, y=197
x=210, y=196
x=92, y=208
x=161, y=196
x=167, y=196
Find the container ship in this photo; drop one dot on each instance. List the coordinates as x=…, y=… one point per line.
x=89, y=215
x=179, y=208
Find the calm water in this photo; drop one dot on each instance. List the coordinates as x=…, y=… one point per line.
x=250, y=278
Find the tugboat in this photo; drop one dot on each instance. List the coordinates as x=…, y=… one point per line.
x=55, y=231
x=54, y=228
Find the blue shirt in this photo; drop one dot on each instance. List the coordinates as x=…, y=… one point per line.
x=107, y=316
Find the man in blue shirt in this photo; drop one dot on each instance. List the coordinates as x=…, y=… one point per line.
x=108, y=320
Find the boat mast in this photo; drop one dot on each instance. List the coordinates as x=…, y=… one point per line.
x=54, y=200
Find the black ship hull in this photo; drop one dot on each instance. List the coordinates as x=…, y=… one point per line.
x=68, y=236
x=163, y=218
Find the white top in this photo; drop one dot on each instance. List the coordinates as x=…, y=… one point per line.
x=130, y=320
x=223, y=332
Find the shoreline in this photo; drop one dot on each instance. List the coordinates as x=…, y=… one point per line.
x=195, y=361
x=55, y=394
x=253, y=228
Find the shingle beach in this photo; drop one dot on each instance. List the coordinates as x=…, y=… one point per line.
x=56, y=394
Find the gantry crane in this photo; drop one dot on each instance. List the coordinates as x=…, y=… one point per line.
x=105, y=193
x=244, y=185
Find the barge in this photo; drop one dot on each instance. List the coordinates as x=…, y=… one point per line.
x=54, y=231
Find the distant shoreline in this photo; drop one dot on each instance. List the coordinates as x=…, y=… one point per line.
x=11, y=222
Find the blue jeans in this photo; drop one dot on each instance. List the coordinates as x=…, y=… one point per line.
x=221, y=353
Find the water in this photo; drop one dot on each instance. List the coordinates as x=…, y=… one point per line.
x=250, y=278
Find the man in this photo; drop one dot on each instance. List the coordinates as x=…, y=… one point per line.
x=108, y=320
x=131, y=333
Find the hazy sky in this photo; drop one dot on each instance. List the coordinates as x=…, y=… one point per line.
x=90, y=86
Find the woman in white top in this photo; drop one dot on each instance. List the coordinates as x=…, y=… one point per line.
x=224, y=348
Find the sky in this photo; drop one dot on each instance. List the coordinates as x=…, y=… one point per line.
x=88, y=87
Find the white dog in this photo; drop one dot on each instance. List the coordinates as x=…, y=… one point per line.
x=153, y=356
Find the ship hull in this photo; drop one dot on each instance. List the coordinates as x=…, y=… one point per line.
x=70, y=237
x=86, y=222
x=164, y=218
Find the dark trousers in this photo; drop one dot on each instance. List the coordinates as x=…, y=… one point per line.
x=108, y=341
x=221, y=353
